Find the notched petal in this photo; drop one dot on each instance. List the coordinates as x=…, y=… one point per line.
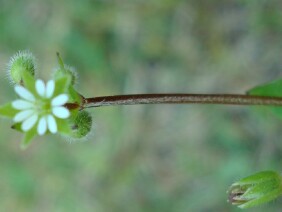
x=24, y=93
x=42, y=126
x=60, y=100
x=52, y=125
x=22, y=104
x=29, y=123
x=19, y=117
x=50, y=88
x=40, y=87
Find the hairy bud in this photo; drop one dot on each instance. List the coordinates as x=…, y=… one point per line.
x=66, y=70
x=81, y=124
x=20, y=63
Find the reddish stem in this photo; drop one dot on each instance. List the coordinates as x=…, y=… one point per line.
x=137, y=99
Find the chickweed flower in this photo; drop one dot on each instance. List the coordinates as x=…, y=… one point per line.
x=44, y=108
x=40, y=108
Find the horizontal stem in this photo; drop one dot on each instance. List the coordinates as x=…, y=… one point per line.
x=137, y=99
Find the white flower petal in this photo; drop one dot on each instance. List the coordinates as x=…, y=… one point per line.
x=42, y=126
x=60, y=100
x=29, y=123
x=24, y=93
x=50, y=87
x=22, y=104
x=40, y=87
x=52, y=125
x=61, y=112
x=23, y=115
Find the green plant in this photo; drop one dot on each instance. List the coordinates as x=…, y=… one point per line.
x=56, y=107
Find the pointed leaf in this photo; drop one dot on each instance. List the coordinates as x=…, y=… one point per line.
x=273, y=88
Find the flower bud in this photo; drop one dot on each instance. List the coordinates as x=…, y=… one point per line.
x=20, y=63
x=81, y=124
x=256, y=189
x=66, y=70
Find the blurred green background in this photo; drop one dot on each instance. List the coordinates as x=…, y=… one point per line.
x=144, y=158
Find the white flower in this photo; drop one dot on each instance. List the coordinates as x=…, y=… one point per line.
x=41, y=108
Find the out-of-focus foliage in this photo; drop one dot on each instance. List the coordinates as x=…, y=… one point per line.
x=145, y=158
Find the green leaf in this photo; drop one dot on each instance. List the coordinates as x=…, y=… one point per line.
x=63, y=126
x=8, y=111
x=273, y=89
x=29, y=135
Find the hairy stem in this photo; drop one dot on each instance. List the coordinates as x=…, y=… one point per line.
x=137, y=99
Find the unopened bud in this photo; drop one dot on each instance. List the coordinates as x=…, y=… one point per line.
x=67, y=70
x=81, y=124
x=64, y=70
x=256, y=189
x=20, y=63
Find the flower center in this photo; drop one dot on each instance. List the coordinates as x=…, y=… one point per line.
x=43, y=106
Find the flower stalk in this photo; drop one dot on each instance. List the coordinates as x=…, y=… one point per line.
x=56, y=107
x=136, y=99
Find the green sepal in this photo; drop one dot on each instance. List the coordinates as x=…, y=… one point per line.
x=8, y=111
x=63, y=126
x=74, y=96
x=67, y=71
x=29, y=82
x=62, y=85
x=64, y=70
x=28, y=136
x=60, y=60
